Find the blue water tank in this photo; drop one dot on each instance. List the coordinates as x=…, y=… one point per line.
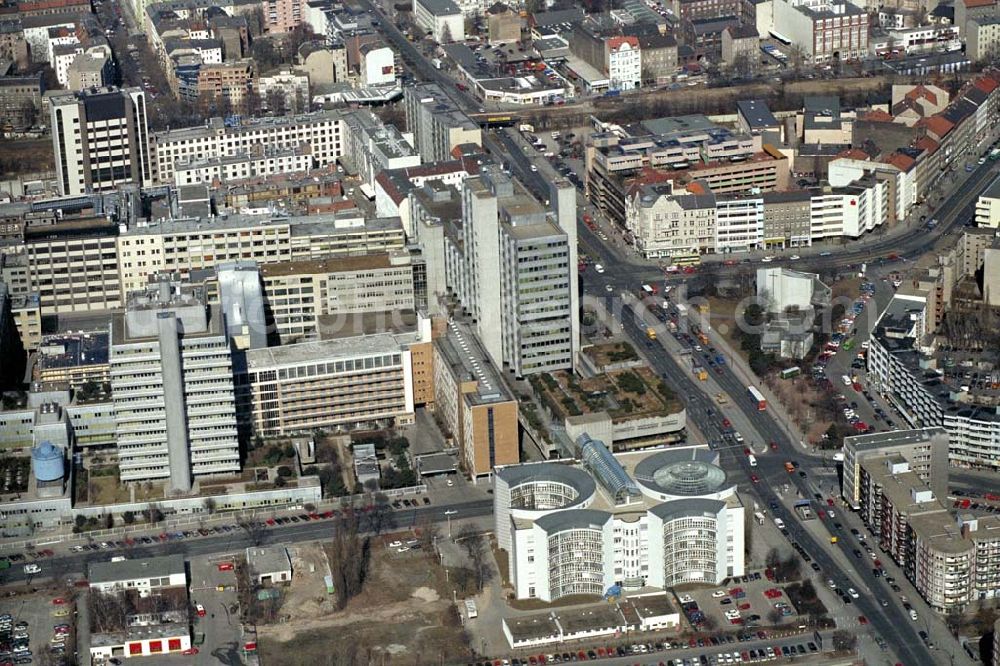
x=47, y=462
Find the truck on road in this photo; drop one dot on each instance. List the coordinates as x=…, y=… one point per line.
x=779, y=523
x=651, y=333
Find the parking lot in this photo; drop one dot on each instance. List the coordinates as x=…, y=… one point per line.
x=744, y=604
x=32, y=625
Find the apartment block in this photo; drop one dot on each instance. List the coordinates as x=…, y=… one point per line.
x=283, y=15
x=362, y=382
x=473, y=405
x=322, y=131
x=665, y=225
x=100, y=140
x=982, y=39
x=303, y=295
x=787, y=220
x=373, y=147
x=437, y=125
x=739, y=224
x=924, y=450
x=172, y=386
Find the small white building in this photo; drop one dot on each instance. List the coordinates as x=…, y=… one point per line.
x=269, y=564
x=624, y=64
x=440, y=18
x=783, y=288
x=145, y=574
x=378, y=65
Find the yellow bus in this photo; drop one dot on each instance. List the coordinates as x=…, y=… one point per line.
x=689, y=259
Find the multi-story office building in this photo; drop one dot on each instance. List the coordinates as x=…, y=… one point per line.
x=73, y=359
x=988, y=207
x=787, y=219
x=172, y=386
x=304, y=297
x=438, y=126
x=322, y=131
x=373, y=147
x=645, y=519
x=346, y=383
x=473, y=404
x=511, y=267
x=739, y=224
x=925, y=451
x=183, y=245
x=825, y=30
x=256, y=164
x=100, y=140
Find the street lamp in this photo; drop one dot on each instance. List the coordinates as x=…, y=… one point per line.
x=448, y=514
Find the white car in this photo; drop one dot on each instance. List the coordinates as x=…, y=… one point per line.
x=395, y=544
x=718, y=594
x=854, y=593
x=608, y=288
x=534, y=168
x=768, y=259
x=795, y=257
x=599, y=268
x=402, y=549
x=831, y=584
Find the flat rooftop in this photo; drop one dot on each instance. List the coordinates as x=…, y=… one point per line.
x=468, y=360
x=124, y=570
x=877, y=440
x=594, y=618
x=307, y=353
x=532, y=627
x=72, y=350
x=364, y=262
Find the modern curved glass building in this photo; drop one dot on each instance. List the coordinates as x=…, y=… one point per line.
x=644, y=519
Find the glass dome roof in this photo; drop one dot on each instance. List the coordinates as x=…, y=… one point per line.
x=690, y=477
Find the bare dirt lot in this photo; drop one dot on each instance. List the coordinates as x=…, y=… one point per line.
x=403, y=615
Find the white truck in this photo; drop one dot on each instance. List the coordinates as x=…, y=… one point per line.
x=32, y=569
x=779, y=523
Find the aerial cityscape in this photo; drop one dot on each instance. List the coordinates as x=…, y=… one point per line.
x=368, y=332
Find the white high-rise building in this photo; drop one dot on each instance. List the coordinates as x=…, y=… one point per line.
x=512, y=267
x=172, y=386
x=100, y=139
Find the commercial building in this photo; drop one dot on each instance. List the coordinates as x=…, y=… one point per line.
x=472, y=403
x=378, y=65
x=269, y=564
x=172, y=386
x=301, y=295
x=441, y=19
x=188, y=244
x=787, y=219
x=351, y=382
x=665, y=225
x=739, y=223
x=255, y=164
x=437, y=124
x=988, y=207
x=145, y=574
x=73, y=359
x=100, y=140
x=647, y=519
x=321, y=130
x=925, y=451
x=512, y=268
x=825, y=30
x=373, y=147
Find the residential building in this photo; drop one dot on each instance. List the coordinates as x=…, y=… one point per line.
x=13, y=45
x=322, y=130
x=21, y=100
x=603, y=47
x=378, y=65
x=742, y=10
x=646, y=519
x=172, y=386
x=224, y=85
x=437, y=124
x=825, y=30
x=300, y=295
x=982, y=39
x=13, y=358
x=90, y=69
x=441, y=19
x=283, y=15
x=659, y=58
x=343, y=383
x=741, y=50
x=787, y=219
x=100, y=140
x=284, y=92
x=663, y=225
x=472, y=404
x=324, y=63
x=503, y=24
x=925, y=450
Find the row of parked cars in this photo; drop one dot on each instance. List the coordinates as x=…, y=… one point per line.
x=15, y=641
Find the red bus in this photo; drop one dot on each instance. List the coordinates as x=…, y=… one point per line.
x=757, y=397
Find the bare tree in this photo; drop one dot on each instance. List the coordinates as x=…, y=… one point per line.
x=254, y=531
x=844, y=640
x=476, y=547
x=348, y=555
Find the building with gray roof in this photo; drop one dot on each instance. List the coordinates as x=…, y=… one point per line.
x=642, y=519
